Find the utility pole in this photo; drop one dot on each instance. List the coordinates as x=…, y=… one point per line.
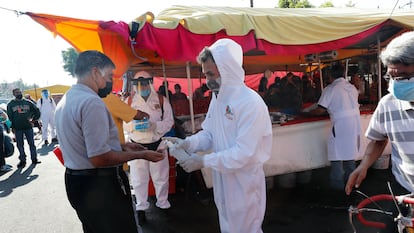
x=408, y=3
x=251, y=3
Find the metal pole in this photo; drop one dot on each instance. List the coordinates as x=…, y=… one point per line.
x=165, y=81
x=190, y=95
x=379, y=69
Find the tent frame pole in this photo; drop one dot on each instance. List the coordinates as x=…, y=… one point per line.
x=190, y=95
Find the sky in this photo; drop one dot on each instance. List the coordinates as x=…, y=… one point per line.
x=29, y=52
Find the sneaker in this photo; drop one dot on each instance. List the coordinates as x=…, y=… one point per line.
x=5, y=168
x=21, y=164
x=36, y=161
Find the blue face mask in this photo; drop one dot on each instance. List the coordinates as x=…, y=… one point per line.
x=402, y=90
x=145, y=93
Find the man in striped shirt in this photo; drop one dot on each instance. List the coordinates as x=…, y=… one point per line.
x=393, y=119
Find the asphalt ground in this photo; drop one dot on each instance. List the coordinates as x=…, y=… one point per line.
x=33, y=199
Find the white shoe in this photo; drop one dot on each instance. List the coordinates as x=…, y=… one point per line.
x=164, y=205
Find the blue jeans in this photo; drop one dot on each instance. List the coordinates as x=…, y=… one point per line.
x=340, y=171
x=20, y=144
x=2, y=155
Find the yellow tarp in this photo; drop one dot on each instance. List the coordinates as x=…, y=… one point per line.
x=286, y=26
x=35, y=93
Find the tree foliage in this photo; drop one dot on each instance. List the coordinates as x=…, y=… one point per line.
x=6, y=88
x=69, y=59
x=350, y=4
x=295, y=4
x=327, y=4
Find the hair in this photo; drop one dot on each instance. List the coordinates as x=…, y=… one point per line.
x=89, y=59
x=337, y=71
x=177, y=86
x=15, y=89
x=205, y=55
x=400, y=50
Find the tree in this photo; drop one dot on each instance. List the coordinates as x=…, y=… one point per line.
x=350, y=4
x=295, y=4
x=327, y=4
x=69, y=59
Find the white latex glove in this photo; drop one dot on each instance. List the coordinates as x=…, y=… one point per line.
x=178, y=142
x=152, y=126
x=193, y=163
x=178, y=153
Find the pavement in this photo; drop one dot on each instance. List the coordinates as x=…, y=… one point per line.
x=33, y=199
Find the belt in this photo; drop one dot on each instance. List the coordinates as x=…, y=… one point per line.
x=93, y=172
x=151, y=146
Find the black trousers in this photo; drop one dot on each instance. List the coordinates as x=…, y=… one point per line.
x=100, y=202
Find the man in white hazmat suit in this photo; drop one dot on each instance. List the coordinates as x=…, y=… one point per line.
x=47, y=107
x=148, y=132
x=238, y=130
x=340, y=100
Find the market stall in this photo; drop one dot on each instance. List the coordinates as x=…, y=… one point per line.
x=302, y=147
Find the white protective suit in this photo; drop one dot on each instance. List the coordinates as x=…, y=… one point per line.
x=340, y=98
x=47, y=107
x=140, y=169
x=238, y=129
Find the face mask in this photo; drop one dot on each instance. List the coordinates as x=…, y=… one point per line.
x=46, y=95
x=103, y=92
x=19, y=96
x=214, y=84
x=145, y=93
x=402, y=90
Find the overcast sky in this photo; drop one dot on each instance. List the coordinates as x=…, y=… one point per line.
x=30, y=52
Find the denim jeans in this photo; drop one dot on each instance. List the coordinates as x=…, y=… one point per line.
x=2, y=155
x=20, y=143
x=340, y=171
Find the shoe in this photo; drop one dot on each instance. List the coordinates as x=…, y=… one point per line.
x=36, y=162
x=46, y=142
x=21, y=164
x=5, y=168
x=54, y=140
x=141, y=217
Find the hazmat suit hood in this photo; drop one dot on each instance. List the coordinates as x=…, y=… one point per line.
x=228, y=56
x=136, y=88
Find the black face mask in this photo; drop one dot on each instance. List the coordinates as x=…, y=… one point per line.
x=103, y=92
x=19, y=97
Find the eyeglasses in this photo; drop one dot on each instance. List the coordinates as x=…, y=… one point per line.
x=403, y=77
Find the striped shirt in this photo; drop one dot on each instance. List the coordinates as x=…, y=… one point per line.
x=394, y=119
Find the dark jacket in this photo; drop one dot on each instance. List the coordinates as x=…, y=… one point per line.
x=21, y=113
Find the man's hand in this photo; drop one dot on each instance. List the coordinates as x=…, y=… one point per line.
x=192, y=163
x=152, y=156
x=179, y=143
x=130, y=146
x=355, y=179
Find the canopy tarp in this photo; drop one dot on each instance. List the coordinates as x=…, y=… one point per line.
x=35, y=93
x=272, y=38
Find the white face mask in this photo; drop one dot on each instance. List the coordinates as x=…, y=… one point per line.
x=214, y=84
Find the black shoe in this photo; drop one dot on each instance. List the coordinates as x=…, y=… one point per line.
x=141, y=217
x=46, y=142
x=54, y=140
x=21, y=164
x=36, y=162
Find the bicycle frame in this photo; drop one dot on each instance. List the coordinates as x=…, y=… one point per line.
x=403, y=222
